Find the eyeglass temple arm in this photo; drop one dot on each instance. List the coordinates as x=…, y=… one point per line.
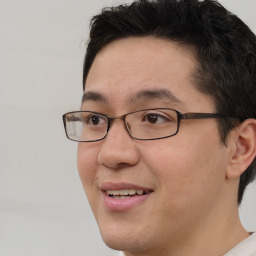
x=200, y=115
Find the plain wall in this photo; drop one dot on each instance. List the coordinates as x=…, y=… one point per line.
x=43, y=208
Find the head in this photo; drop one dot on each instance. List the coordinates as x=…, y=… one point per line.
x=186, y=55
x=224, y=48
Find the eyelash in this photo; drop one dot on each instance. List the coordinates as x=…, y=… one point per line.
x=157, y=115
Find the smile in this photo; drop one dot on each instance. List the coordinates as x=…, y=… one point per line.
x=126, y=193
x=124, y=196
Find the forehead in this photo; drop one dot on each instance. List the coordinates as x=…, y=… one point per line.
x=128, y=67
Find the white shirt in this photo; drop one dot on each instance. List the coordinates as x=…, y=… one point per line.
x=246, y=248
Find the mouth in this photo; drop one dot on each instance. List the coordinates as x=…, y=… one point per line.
x=126, y=193
x=122, y=197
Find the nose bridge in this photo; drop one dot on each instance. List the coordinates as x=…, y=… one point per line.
x=117, y=126
x=118, y=148
x=112, y=119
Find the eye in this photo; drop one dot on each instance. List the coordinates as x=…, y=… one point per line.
x=95, y=120
x=155, y=118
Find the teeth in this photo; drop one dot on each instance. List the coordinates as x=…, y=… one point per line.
x=139, y=192
x=124, y=192
x=115, y=193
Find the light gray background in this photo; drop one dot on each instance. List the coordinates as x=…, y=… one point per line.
x=43, y=209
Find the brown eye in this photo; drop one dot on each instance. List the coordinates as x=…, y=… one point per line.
x=95, y=120
x=154, y=118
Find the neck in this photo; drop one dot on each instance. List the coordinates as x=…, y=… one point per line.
x=222, y=229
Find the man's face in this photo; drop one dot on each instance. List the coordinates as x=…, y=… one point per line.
x=183, y=176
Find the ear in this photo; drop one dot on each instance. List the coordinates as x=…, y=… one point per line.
x=243, y=148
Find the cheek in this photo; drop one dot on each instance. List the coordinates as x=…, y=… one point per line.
x=187, y=172
x=87, y=166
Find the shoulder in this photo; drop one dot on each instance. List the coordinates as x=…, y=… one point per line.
x=119, y=254
x=246, y=248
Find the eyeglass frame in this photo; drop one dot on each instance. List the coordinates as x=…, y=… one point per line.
x=181, y=116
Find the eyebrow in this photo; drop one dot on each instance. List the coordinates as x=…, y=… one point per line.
x=141, y=95
x=154, y=94
x=94, y=96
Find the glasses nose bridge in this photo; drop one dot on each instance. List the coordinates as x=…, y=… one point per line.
x=112, y=118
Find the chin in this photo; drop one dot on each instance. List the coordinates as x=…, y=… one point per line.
x=120, y=244
x=121, y=239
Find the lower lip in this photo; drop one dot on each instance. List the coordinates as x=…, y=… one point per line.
x=113, y=204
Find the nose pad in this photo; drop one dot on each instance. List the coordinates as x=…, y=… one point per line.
x=128, y=127
x=118, y=148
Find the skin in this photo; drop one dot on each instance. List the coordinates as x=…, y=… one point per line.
x=193, y=205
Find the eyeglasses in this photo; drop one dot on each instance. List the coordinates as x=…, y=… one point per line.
x=147, y=124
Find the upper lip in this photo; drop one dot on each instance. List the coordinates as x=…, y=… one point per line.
x=121, y=186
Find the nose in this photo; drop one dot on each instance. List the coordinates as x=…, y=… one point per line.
x=118, y=149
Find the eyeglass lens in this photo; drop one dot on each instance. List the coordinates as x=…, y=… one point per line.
x=145, y=124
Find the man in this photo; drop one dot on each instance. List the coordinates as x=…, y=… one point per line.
x=167, y=128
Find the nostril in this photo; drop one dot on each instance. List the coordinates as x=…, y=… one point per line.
x=118, y=153
x=118, y=166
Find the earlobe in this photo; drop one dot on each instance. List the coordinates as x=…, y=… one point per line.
x=243, y=148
